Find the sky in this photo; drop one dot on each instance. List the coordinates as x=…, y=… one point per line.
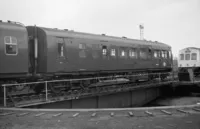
x=174, y=22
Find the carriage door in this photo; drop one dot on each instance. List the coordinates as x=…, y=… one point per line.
x=61, y=59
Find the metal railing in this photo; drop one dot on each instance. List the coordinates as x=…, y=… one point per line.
x=46, y=83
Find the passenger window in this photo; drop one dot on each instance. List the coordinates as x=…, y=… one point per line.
x=133, y=53
x=104, y=50
x=187, y=56
x=194, y=56
x=165, y=53
x=10, y=45
x=95, y=50
x=113, y=52
x=122, y=53
x=181, y=56
x=155, y=54
x=170, y=54
x=82, y=47
x=162, y=54
x=143, y=54
x=159, y=53
x=60, y=42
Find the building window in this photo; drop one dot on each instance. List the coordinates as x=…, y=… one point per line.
x=60, y=42
x=132, y=53
x=194, y=56
x=113, y=52
x=187, y=56
x=10, y=45
x=181, y=56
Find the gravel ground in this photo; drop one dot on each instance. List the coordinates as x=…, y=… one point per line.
x=102, y=120
x=178, y=101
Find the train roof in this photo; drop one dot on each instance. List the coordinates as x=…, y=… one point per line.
x=188, y=48
x=10, y=25
x=103, y=37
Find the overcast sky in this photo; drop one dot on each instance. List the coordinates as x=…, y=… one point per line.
x=174, y=22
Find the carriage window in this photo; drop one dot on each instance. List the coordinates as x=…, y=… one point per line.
x=60, y=42
x=162, y=54
x=133, y=53
x=113, y=52
x=165, y=54
x=122, y=53
x=181, y=56
x=187, y=56
x=104, y=50
x=155, y=54
x=82, y=47
x=95, y=52
x=143, y=54
x=194, y=56
x=10, y=45
x=170, y=54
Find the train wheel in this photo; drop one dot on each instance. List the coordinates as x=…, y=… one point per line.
x=38, y=88
x=55, y=88
x=20, y=87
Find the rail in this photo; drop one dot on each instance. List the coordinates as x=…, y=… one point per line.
x=46, y=83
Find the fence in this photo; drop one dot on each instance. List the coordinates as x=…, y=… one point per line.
x=47, y=83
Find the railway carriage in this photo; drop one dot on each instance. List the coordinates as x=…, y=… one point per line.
x=62, y=52
x=37, y=53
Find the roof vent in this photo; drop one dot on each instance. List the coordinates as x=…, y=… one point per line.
x=9, y=21
x=103, y=34
x=124, y=37
x=66, y=29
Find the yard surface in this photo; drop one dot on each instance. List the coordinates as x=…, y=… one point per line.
x=172, y=118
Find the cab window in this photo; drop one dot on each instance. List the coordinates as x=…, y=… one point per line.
x=10, y=45
x=181, y=56
x=194, y=56
x=187, y=56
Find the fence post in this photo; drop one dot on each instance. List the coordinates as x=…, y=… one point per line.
x=159, y=77
x=46, y=90
x=4, y=90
